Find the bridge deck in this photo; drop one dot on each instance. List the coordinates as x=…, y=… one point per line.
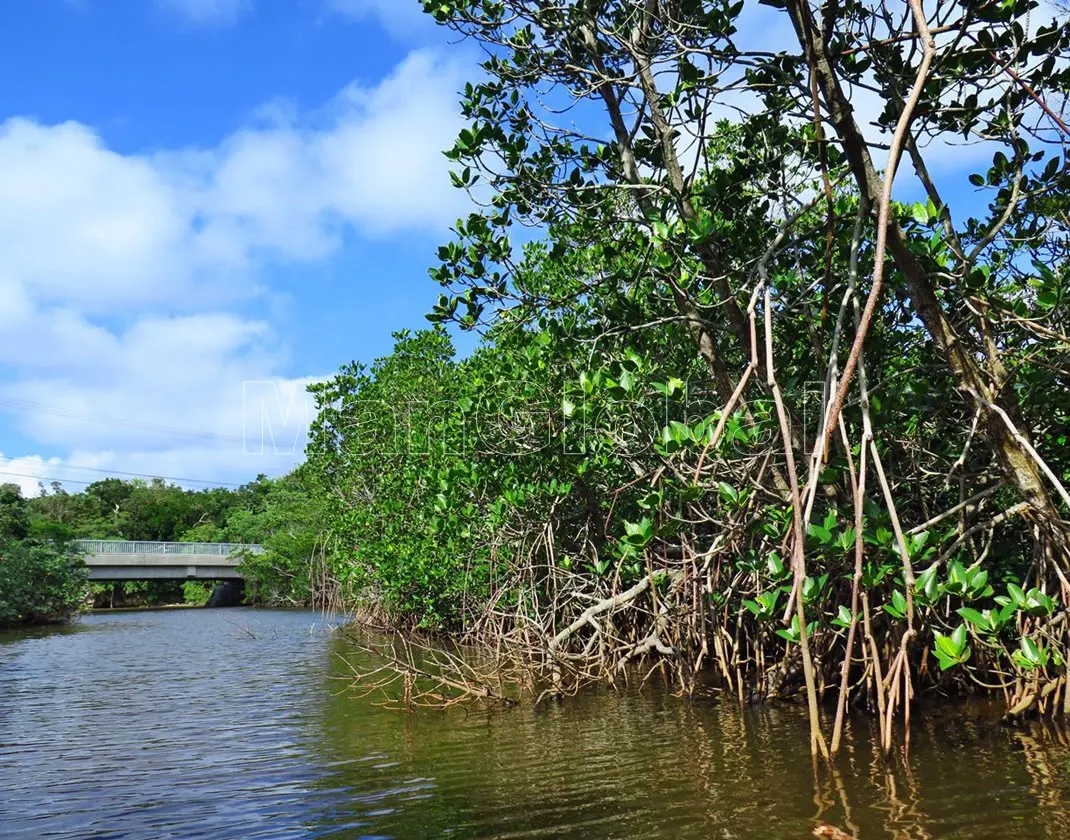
x=136, y=560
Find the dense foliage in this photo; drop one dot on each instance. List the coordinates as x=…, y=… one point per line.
x=39, y=580
x=737, y=409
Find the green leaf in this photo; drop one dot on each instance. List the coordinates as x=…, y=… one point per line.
x=679, y=432
x=823, y=534
x=898, y=607
x=958, y=637
x=846, y=541
x=944, y=645
x=728, y=492
x=1030, y=655
x=975, y=618
x=926, y=584
x=951, y=650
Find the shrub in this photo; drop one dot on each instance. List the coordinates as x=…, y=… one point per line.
x=39, y=582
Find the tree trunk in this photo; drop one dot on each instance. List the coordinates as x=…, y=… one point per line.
x=1019, y=467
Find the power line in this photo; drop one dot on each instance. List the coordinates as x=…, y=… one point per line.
x=44, y=477
x=140, y=425
x=136, y=474
x=57, y=411
x=118, y=472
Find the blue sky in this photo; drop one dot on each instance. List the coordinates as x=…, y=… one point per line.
x=204, y=203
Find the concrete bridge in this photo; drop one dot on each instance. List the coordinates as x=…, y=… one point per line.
x=136, y=560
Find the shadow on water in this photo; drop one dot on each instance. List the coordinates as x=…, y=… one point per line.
x=238, y=724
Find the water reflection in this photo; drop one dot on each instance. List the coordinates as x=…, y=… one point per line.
x=237, y=724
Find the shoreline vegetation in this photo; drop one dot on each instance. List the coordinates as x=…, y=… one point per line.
x=737, y=418
x=739, y=406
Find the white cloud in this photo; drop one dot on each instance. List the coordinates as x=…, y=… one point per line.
x=403, y=19
x=164, y=393
x=372, y=159
x=207, y=11
x=123, y=278
x=193, y=397
x=27, y=472
x=85, y=226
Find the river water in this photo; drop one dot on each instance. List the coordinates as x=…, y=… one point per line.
x=238, y=723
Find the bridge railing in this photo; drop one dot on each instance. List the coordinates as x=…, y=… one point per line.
x=144, y=547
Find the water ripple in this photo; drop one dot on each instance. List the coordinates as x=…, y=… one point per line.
x=233, y=724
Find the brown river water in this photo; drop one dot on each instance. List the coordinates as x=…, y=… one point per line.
x=235, y=724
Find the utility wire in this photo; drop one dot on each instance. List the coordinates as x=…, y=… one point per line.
x=57, y=411
x=44, y=477
x=132, y=474
x=117, y=472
